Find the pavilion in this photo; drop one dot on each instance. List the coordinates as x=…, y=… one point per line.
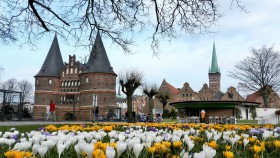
x=216, y=111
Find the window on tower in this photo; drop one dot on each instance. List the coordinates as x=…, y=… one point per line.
x=50, y=81
x=86, y=79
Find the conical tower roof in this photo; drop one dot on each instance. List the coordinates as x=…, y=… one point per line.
x=214, y=64
x=98, y=60
x=53, y=62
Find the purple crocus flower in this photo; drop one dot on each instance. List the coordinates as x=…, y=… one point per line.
x=42, y=129
x=277, y=129
x=47, y=134
x=254, y=132
x=152, y=129
x=15, y=137
x=262, y=130
x=127, y=131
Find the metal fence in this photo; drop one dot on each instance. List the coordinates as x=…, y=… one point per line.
x=11, y=107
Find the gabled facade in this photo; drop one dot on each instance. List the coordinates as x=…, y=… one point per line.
x=166, y=89
x=186, y=93
x=205, y=93
x=73, y=85
x=232, y=95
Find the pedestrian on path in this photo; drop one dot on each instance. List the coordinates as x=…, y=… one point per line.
x=51, y=111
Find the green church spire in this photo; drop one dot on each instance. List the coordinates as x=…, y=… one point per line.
x=214, y=64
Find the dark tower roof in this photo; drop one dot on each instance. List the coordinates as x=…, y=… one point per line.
x=98, y=60
x=53, y=62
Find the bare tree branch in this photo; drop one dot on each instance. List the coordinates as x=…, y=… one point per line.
x=79, y=20
x=260, y=72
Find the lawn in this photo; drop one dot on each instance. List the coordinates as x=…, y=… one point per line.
x=247, y=121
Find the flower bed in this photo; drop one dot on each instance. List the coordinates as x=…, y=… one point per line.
x=143, y=140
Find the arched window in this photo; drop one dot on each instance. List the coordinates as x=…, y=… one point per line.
x=72, y=83
x=69, y=84
x=71, y=71
x=76, y=70
x=79, y=83
x=67, y=71
x=37, y=81
x=62, y=85
x=50, y=81
x=86, y=79
x=75, y=83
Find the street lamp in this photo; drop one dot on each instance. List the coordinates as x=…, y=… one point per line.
x=238, y=89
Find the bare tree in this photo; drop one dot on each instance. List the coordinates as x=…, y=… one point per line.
x=26, y=88
x=130, y=80
x=259, y=72
x=119, y=20
x=151, y=91
x=10, y=85
x=163, y=98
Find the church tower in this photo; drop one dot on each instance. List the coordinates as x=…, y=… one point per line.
x=98, y=78
x=47, y=80
x=214, y=73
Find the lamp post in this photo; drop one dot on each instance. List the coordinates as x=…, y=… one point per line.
x=238, y=89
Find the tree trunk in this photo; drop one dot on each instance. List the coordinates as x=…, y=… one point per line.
x=151, y=119
x=129, y=108
x=265, y=99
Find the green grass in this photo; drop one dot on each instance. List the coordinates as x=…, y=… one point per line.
x=26, y=128
x=247, y=121
x=170, y=120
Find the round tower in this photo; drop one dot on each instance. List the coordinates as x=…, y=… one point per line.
x=98, y=79
x=47, y=81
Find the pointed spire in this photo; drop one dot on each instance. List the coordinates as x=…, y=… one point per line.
x=214, y=64
x=53, y=62
x=98, y=60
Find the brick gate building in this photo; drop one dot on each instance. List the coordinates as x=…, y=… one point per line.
x=73, y=85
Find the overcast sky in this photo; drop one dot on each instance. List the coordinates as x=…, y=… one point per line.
x=186, y=59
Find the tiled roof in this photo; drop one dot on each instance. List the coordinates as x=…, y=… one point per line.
x=252, y=97
x=172, y=88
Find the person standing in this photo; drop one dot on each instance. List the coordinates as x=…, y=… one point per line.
x=96, y=113
x=51, y=111
x=134, y=116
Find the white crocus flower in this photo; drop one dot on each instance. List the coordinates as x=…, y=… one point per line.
x=110, y=152
x=245, y=142
x=209, y=152
x=42, y=150
x=60, y=148
x=121, y=147
x=137, y=148
x=199, y=155
x=88, y=148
